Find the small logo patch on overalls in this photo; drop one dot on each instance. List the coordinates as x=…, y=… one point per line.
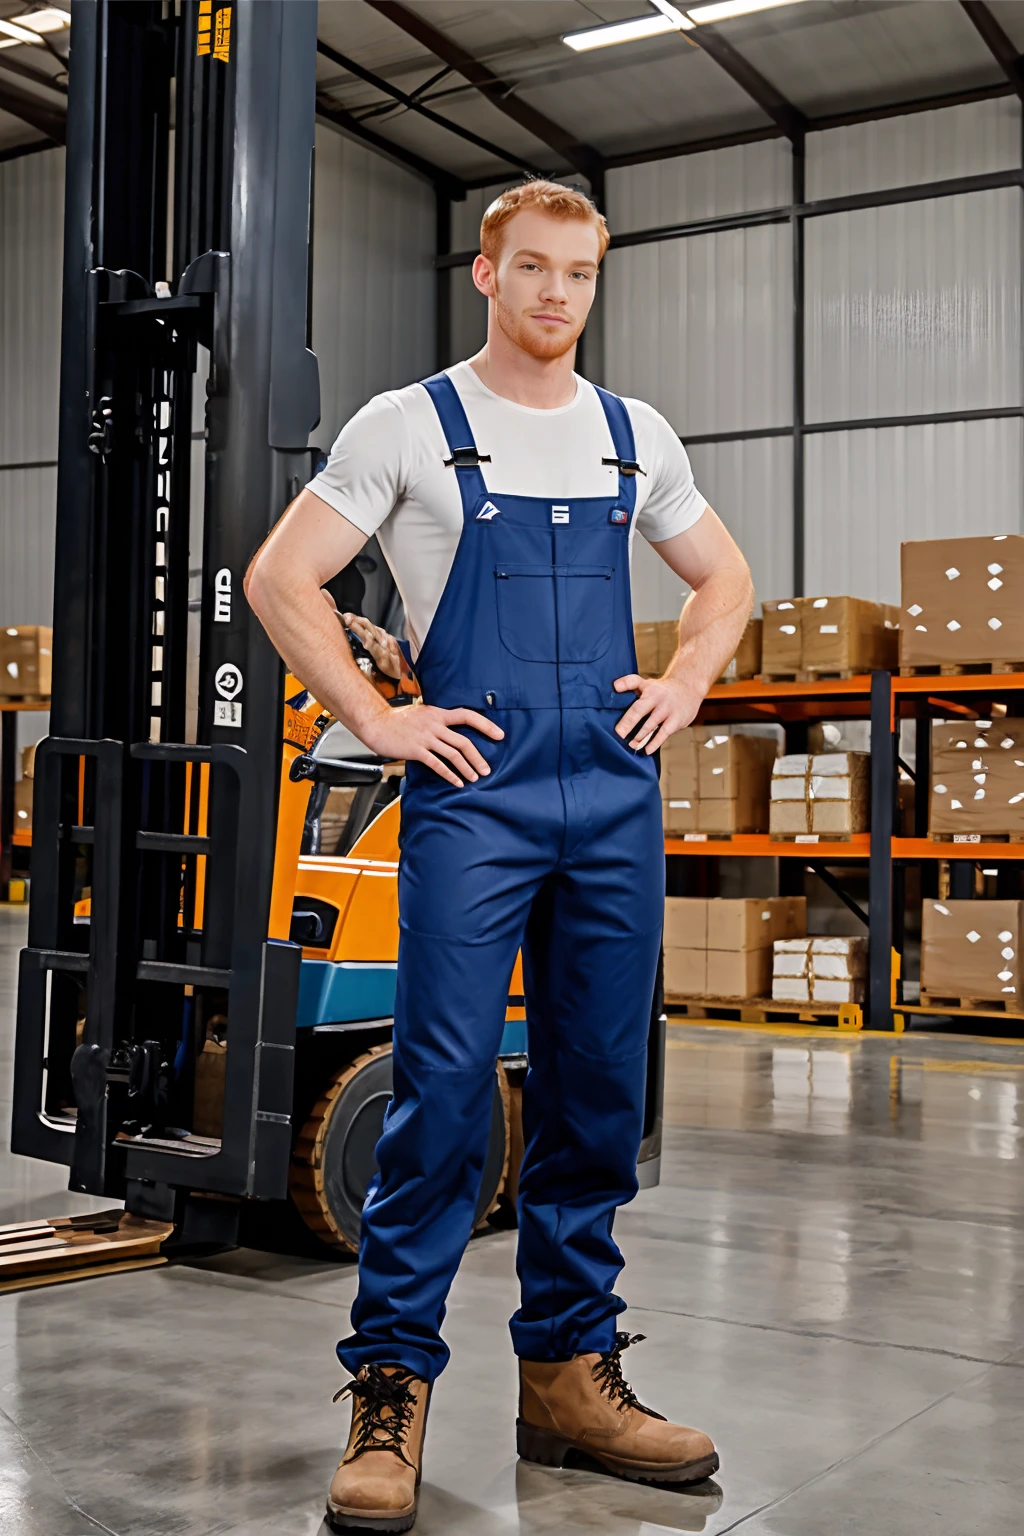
x=487, y=511
x=618, y=515
x=559, y=514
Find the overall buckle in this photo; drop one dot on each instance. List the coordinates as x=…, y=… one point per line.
x=466, y=458
x=628, y=467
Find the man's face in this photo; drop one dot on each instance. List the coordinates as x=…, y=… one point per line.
x=543, y=282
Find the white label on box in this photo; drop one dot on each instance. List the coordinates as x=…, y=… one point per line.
x=227, y=712
x=806, y=837
x=828, y=629
x=695, y=837
x=967, y=837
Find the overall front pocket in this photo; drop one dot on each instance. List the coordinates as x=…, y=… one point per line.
x=555, y=613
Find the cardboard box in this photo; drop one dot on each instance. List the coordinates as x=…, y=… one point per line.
x=747, y=813
x=972, y=949
x=962, y=600
x=739, y=973
x=841, y=818
x=849, y=634
x=729, y=766
x=838, y=958
x=782, y=635
x=839, y=789
x=837, y=991
x=23, y=805
x=789, y=818
x=28, y=760
x=645, y=640
x=686, y=972
x=791, y=958
x=747, y=660
x=686, y=922
x=752, y=922
x=679, y=763
x=26, y=661
x=977, y=778
x=678, y=817
x=790, y=989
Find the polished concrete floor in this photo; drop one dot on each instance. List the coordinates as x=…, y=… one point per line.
x=830, y=1277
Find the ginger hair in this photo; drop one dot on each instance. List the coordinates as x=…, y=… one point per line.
x=547, y=197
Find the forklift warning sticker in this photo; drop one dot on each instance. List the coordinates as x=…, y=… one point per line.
x=228, y=680
x=213, y=31
x=227, y=712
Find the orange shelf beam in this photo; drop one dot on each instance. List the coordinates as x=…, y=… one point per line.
x=925, y=848
x=20, y=839
x=10, y=705
x=971, y=682
x=760, y=845
x=824, y=687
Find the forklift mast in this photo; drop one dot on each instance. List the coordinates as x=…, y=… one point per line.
x=187, y=235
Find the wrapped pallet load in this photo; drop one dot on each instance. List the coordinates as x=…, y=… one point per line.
x=848, y=635
x=747, y=661
x=741, y=933
x=791, y=970
x=837, y=970
x=679, y=780
x=977, y=779
x=961, y=601
x=685, y=942
x=26, y=661
x=782, y=637
x=970, y=952
x=790, y=807
x=839, y=792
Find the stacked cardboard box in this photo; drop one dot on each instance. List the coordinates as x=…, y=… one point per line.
x=716, y=782
x=977, y=778
x=962, y=601
x=656, y=644
x=722, y=947
x=23, y=805
x=824, y=795
x=828, y=634
x=734, y=781
x=820, y=970
x=26, y=661
x=747, y=660
x=971, y=949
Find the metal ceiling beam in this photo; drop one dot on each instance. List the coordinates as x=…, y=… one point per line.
x=998, y=44
x=413, y=105
x=333, y=112
x=582, y=157
x=37, y=76
x=783, y=114
x=37, y=114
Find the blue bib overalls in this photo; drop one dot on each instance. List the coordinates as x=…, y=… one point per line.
x=560, y=850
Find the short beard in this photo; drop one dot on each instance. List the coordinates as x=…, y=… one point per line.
x=533, y=343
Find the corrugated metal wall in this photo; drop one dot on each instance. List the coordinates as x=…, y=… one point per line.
x=911, y=309
x=31, y=234
x=373, y=278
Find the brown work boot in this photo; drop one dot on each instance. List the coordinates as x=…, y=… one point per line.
x=585, y=1405
x=376, y=1486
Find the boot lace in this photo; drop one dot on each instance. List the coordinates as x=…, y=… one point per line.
x=608, y=1375
x=385, y=1405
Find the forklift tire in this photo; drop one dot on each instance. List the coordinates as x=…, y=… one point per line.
x=334, y=1158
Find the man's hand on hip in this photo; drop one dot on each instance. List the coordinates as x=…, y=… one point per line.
x=422, y=733
x=665, y=705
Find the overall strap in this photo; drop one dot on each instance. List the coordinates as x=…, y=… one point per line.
x=625, y=460
x=465, y=459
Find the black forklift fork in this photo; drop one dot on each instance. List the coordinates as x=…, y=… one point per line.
x=104, y=1002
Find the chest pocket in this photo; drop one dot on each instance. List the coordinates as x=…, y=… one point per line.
x=560, y=613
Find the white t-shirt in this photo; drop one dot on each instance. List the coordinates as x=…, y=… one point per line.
x=386, y=474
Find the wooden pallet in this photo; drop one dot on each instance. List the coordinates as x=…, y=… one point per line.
x=965, y=669
x=765, y=1010
x=976, y=837
x=822, y=837
x=24, y=698
x=76, y=1247
x=778, y=677
x=1014, y=1005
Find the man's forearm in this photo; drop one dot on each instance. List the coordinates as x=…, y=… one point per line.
x=712, y=621
x=312, y=643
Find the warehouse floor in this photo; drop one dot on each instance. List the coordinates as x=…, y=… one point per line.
x=830, y=1276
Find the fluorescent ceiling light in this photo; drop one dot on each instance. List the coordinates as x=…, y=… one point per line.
x=674, y=14
x=724, y=9
x=19, y=34
x=50, y=20
x=620, y=32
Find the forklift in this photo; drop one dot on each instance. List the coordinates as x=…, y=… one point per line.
x=205, y=1001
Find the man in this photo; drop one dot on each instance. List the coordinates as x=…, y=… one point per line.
x=505, y=493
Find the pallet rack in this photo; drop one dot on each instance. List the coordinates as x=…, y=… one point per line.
x=885, y=700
